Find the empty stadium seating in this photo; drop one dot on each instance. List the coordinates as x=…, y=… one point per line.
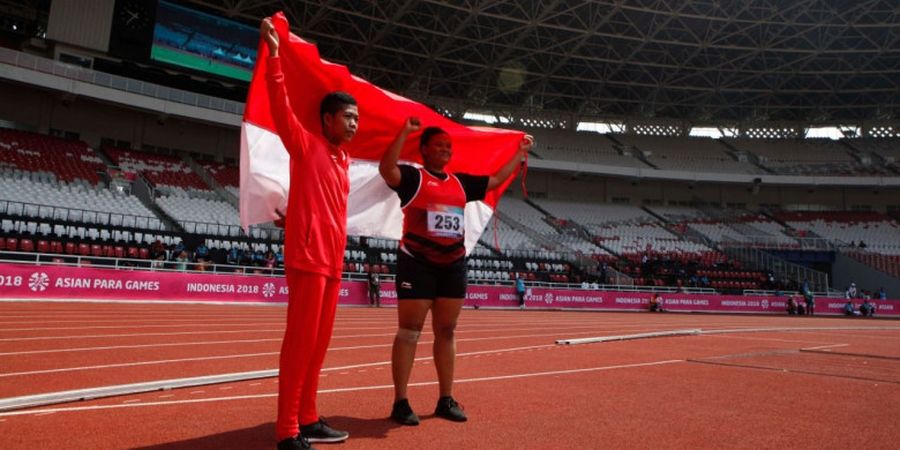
x=688, y=154
x=65, y=160
x=160, y=170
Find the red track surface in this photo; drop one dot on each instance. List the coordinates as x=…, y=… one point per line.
x=823, y=388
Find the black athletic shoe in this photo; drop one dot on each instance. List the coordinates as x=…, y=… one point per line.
x=322, y=432
x=450, y=410
x=295, y=443
x=403, y=414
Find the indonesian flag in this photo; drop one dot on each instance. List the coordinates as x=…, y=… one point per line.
x=374, y=209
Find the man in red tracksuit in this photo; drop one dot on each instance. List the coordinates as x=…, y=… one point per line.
x=315, y=236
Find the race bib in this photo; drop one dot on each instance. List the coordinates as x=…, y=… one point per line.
x=445, y=221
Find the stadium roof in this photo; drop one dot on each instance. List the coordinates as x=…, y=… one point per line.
x=806, y=60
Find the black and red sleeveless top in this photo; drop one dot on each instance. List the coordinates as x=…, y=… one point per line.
x=434, y=226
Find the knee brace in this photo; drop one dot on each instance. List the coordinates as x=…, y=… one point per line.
x=407, y=335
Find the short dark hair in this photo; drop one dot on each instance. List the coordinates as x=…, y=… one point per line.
x=429, y=133
x=334, y=102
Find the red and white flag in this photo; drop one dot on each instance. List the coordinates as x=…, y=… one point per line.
x=374, y=209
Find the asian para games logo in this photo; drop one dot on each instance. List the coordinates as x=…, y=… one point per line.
x=765, y=304
x=548, y=298
x=38, y=281
x=268, y=290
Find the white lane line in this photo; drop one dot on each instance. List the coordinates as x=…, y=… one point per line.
x=188, y=333
x=132, y=364
x=197, y=392
x=122, y=347
x=126, y=335
x=119, y=327
x=752, y=338
x=210, y=358
x=126, y=321
x=350, y=389
x=167, y=396
x=136, y=400
x=257, y=341
x=825, y=346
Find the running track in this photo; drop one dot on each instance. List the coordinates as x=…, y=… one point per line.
x=807, y=382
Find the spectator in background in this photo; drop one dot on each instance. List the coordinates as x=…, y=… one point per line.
x=810, y=301
x=156, y=249
x=159, y=261
x=848, y=309
x=520, y=291
x=791, y=305
x=801, y=308
x=656, y=303
x=862, y=244
x=246, y=256
x=234, y=256
x=269, y=260
x=851, y=291
x=259, y=258
x=374, y=288
x=867, y=308
x=181, y=260
x=179, y=247
x=882, y=295
x=201, y=253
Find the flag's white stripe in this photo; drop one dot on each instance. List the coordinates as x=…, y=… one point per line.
x=373, y=209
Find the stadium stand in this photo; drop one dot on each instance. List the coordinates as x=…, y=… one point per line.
x=585, y=147
x=688, y=153
x=162, y=171
x=805, y=156
x=62, y=159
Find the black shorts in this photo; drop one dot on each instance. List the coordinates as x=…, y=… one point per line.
x=417, y=279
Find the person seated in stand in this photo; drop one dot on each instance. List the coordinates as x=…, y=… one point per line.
x=791, y=305
x=801, y=308
x=867, y=308
x=849, y=310
x=656, y=303
x=234, y=256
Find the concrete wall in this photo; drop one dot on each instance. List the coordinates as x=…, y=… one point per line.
x=846, y=270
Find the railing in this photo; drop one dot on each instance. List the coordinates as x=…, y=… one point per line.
x=767, y=292
x=770, y=242
x=213, y=230
x=37, y=211
x=188, y=267
x=44, y=65
x=760, y=260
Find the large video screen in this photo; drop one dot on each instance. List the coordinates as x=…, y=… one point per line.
x=188, y=38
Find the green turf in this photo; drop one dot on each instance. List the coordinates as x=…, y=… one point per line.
x=191, y=61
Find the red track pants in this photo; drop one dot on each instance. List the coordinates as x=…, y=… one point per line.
x=312, y=302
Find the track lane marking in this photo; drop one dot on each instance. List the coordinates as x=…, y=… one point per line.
x=342, y=390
